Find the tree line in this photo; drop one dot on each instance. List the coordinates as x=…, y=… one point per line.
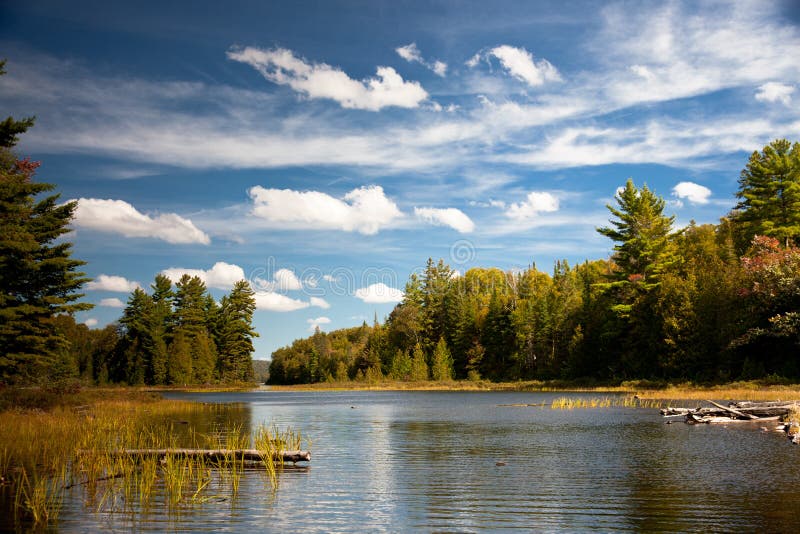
x=177, y=335
x=712, y=302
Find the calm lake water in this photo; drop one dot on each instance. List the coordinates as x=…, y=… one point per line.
x=427, y=461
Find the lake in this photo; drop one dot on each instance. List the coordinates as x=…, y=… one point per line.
x=428, y=461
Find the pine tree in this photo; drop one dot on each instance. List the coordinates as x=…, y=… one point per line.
x=38, y=278
x=191, y=322
x=643, y=250
x=237, y=333
x=159, y=327
x=769, y=193
x=136, y=320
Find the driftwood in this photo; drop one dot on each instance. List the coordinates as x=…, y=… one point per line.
x=734, y=412
x=249, y=455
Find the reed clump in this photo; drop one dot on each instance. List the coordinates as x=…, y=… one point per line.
x=45, y=454
x=571, y=403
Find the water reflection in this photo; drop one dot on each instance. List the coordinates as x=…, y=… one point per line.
x=388, y=462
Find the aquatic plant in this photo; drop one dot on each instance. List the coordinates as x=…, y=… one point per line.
x=67, y=449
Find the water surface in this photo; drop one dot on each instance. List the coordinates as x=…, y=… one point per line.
x=428, y=461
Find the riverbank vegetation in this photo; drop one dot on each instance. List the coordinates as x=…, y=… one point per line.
x=71, y=444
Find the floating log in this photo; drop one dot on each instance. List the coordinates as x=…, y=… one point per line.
x=734, y=412
x=251, y=455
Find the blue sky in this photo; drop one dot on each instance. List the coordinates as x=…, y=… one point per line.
x=325, y=150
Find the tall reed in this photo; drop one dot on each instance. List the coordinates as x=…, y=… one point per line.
x=47, y=454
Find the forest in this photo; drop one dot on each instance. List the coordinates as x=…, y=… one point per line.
x=705, y=302
x=172, y=335
x=709, y=303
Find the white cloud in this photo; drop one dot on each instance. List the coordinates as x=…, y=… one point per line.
x=329, y=278
x=118, y=284
x=117, y=216
x=269, y=301
x=365, y=210
x=694, y=193
x=520, y=64
x=112, y=303
x=678, y=51
x=221, y=276
x=320, y=80
x=91, y=322
x=536, y=203
x=775, y=92
x=452, y=217
x=379, y=293
x=314, y=323
x=319, y=303
x=412, y=54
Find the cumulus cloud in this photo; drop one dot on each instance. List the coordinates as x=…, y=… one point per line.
x=319, y=303
x=112, y=303
x=537, y=202
x=314, y=323
x=520, y=64
x=221, y=276
x=379, y=293
x=91, y=322
x=412, y=54
x=365, y=210
x=694, y=193
x=452, y=217
x=117, y=216
x=117, y=284
x=320, y=80
x=775, y=92
x=270, y=301
x=282, y=280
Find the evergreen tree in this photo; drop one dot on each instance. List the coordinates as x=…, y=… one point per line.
x=159, y=328
x=643, y=251
x=135, y=367
x=769, y=193
x=419, y=365
x=191, y=322
x=442, y=362
x=237, y=333
x=38, y=278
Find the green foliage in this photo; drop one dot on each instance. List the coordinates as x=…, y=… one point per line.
x=666, y=305
x=38, y=277
x=769, y=193
x=442, y=362
x=419, y=365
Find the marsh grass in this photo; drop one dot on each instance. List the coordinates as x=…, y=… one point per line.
x=46, y=454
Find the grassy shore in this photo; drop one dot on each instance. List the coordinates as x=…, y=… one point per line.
x=70, y=441
x=750, y=390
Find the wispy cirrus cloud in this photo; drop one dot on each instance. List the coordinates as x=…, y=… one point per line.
x=412, y=54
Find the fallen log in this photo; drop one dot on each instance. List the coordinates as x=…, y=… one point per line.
x=734, y=412
x=251, y=455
